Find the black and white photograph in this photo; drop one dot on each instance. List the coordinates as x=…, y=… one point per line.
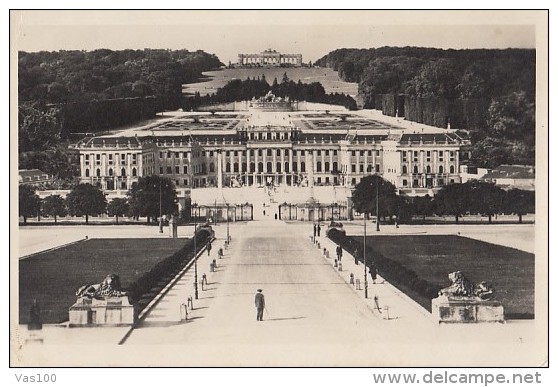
x=279, y=188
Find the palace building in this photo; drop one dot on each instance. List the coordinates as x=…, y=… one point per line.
x=264, y=146
x=270, y=57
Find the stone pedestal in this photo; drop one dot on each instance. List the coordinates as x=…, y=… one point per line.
x=453, y=309
x=114, y=311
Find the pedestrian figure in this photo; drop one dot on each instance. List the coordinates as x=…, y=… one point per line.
x=356, y=256
x=352, y=279
x=220, y=253
x=35, y=321
x=275, y=216
x=335, y=263
x=260, y=305
x=264, y=212
x=319, y=229
x=208, y=248
x=211, y=267
x=214, y=263
x=204, y=279
x=373, y=272
x=339, y=251
x=315, y=231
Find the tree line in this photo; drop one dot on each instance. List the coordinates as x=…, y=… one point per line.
x=471, y=198
x=489, y=92
x=100, y=89
x=149, y=197
x=243, y=90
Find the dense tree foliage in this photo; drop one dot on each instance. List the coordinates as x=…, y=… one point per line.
x=86, y=200
x=364, y=196
x=118, y=207
x=54, y=205
x=490, y=92
x=243, y=90
x=103, y=88
x=152, y=196
x=29, y=202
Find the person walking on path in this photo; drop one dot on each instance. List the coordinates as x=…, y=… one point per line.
x=208, y=248
x=319, y=229
x=315, y=231
x=356, y=256
x=260, y=305
x=373, y=272
x=339, y=251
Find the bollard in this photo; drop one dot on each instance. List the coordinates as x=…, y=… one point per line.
x=340, y=266
x=358, y=284
x=325, y=251
x=318, y=245
x=327, y=254
x=183, y=312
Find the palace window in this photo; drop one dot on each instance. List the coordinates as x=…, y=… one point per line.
x=244, y=165
x=427, y=155
x=377, y=168
x=361, y=168
x=278, y=166
x=440, y=169
x=369, y=168
x=110, y=158
x=227, y=153
x=235, y=167
x=353, y=153
x=404, y=155
x=269, y=167
x=236, y=153
x=327, y=152
x=287, y=167
x=302, y=166
x=415, y=156
x=353, y=168
x=319, y=166
x=295, y=167
x=260, y=167
x=134, y=158
x=160, y=155
x=160, y=170
x=415, y=169
x=452, y=155
x=326, y=167
x=260, y=152
x=134, y=172
x=428, y=169
x=334, y=166
x=286, y=152
x=169, y=170
x=211, y=167
x=252, y=167
x=269, y=152
x=228, y=167
x=452, y=169
x=335, y=152
x=185, y=169
x=404, y=182
x=362, y=153
x=278, y=152
x=86, y=172
x=378, y=153
x=177, y=170
x=404, y=170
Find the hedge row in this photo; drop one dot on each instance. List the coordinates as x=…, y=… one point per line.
x=153, y=281
x=391, y=270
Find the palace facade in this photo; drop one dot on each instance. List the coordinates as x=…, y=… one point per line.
x=260, y=147
x=270, y=57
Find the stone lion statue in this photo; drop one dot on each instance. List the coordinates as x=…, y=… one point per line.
x=110, y=287
x=461, y=286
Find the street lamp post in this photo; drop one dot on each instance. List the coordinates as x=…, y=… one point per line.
x=377, y=207
x=195, y=260
x=228, y=236
x=364, y=259
x=160, y=207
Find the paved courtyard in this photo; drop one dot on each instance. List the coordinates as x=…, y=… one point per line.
x=313, y=318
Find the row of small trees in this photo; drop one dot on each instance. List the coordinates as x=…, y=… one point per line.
x=474, y=197
x=151, y=196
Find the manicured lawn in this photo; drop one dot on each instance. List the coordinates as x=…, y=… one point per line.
x=52, y=278
x=327, y=77
x=432, y=257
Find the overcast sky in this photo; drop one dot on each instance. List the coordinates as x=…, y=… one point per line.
x=312, y=33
